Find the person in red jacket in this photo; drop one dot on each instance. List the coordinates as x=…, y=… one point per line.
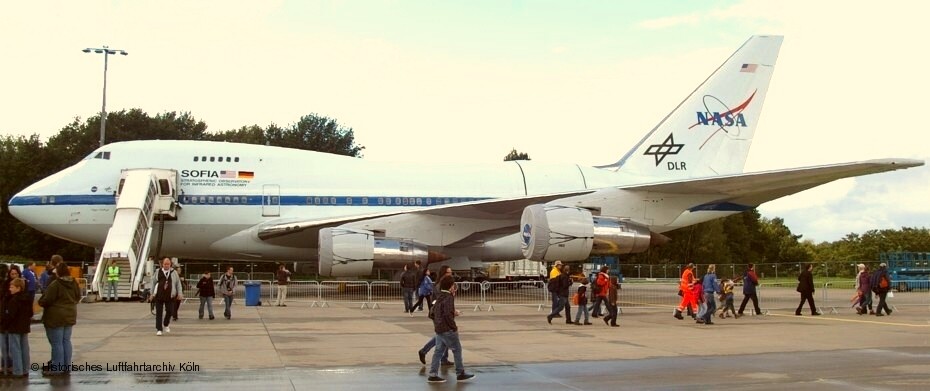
x=686, y=289
x=602, y=282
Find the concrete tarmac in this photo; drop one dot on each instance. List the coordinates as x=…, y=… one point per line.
x=343, y=347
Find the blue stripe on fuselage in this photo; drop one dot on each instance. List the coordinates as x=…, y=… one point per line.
x=84, y=199
x=255, y=200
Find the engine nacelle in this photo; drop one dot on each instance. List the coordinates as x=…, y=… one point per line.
x=347, y=252
x=565, y=233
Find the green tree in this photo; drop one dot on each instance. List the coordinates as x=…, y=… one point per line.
x=514, y=155
x=315, y=133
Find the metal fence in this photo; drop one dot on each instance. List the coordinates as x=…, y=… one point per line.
x=833, y=297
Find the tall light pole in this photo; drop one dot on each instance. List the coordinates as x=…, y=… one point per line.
x=106, y=51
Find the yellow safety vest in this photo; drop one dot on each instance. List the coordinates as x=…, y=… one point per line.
x=112, y=273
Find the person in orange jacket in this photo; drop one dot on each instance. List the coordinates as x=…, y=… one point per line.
x=686, y=289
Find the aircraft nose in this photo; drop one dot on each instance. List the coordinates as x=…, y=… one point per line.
x=17, y=204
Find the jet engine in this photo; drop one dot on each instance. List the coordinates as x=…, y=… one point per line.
x=347, y=252
x=565, y=233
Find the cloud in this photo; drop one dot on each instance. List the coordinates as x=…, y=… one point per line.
x=670, y=21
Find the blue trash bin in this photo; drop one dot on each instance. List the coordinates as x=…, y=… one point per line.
x=253, y=290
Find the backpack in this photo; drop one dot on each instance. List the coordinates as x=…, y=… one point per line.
x=883, y=281
x=575, y=298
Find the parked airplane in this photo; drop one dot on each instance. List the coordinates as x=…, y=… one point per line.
x=236, y=201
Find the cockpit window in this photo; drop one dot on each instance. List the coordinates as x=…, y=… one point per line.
x=105, y=155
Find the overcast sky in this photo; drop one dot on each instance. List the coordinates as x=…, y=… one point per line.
x=575, y=82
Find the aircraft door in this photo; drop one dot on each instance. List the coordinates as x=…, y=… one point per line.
x=271, y=200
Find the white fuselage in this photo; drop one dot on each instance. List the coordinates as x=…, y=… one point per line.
x=227, y=190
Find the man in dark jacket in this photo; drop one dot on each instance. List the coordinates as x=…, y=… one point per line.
x=806, y=289
x=447, y=332
x=560, y=288
x=207, y=292
x=750, y=281
x=408, y=285
x=881, y=284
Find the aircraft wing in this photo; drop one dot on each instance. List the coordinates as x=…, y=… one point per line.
x=494, y=209
x=746, y=190
x=753, y=189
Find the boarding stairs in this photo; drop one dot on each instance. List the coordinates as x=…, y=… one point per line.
x=143, y=195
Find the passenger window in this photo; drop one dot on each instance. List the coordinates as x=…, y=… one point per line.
x=237, y=160
x=332, y=200
x=227, y=200
x=203, y=158
x=186, y=199
x=195, y=158
x=203, y=200
x=228, y=159
x=211, y=158
x=210, y=199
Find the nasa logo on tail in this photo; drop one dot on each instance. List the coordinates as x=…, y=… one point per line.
x=668, y=147
x=726, y=120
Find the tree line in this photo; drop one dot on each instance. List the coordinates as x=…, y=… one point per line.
x=741, y=238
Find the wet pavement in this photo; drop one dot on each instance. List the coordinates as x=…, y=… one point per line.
x=343, y=347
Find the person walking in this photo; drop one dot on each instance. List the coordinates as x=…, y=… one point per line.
x=206, y=290
x=283, y=276
x=408, y=285
x=600, y=290
x=612, y=308
x=750, y=282
x=806, y=289
x=553, y=275
x=686, y=291
x=228, y=289
x=881, y=285
x=444, y=270
x=59, y=315
x=581, y=303
x=711, y=289
x=864, y=290
x=727, y=299
x=425, y=291
x=166, y=289
x=112, y=281
x=447, y=333
x=560, y=288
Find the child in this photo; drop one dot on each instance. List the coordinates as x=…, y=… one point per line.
x=727, y=299
x=698, y=292
x=17, y=316
x=581, y=298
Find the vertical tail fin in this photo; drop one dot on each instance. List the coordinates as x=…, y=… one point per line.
x=710, y=132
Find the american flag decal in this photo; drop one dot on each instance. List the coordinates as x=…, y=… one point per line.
x=749, y=68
